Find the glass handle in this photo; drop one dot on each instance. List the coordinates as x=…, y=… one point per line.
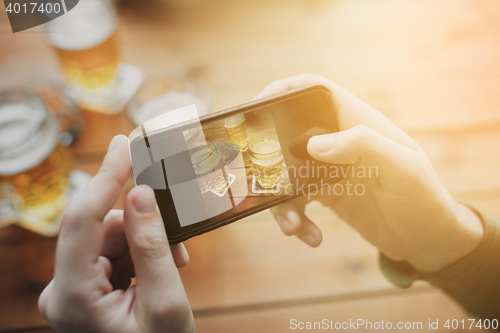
x=9, y=205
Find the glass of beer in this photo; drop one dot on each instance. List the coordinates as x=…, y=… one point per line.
x=210, y=169
x=34, y=168
x=85, y=42
x=236, y=130
x=267, y=158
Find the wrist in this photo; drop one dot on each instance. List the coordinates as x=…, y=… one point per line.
x=459, y=240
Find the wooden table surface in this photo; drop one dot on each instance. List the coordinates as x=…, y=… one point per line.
x=433, y=66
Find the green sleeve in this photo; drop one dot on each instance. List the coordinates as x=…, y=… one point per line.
x=473, y=281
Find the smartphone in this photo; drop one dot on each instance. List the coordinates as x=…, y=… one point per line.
x=213, y=170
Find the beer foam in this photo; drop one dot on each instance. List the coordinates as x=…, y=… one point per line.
x=234, y=121
x=25, y=140
x=269, y=153
x=89, y=24
x=18, y=122
x=266, y=147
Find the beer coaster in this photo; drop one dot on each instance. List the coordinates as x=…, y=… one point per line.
x=31, y=219
x=232, y=178
x=257, y=189
x=113, y=99
x=283, y=184
x=228, y=150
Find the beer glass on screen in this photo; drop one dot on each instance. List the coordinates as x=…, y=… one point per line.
x=211, y=170
x=267, y=158
x=236, y=130
x=85, y=41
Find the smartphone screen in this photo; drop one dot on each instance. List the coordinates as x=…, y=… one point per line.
x=215, y=170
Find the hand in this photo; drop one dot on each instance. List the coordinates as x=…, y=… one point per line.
x=405, y=210
x=94, y=264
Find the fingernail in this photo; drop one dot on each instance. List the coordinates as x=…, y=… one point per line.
x=283, y=223
x=145, y=201
x=293, y=217
x=320, y=143
x=114, y=143
x=185, y=253
x=308, y=239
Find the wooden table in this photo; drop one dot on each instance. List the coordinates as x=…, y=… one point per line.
x=433, y=66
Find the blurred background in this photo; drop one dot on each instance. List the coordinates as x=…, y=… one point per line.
x=432, y=66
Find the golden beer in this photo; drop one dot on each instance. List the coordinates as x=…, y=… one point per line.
x=267, y=159
x=44, y=184
x=236, y=130
x=85, y=41
x=34, y=168
x=91, y=68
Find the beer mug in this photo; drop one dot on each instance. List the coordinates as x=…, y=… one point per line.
x=34, y=168
x=69, y=115
x=236, y=130
x=267, y=158
x=85, y=41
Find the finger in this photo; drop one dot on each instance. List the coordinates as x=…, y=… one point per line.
x=359, y=112
x=156, y=274
x=349, y=110
x=43, y=300
x=81, y=238
x=121, y=272
x=297, y=81
x=302, y=226
x=288, y=217
x=115, y=245
x=180, y=254
x=309, y=232
x=358, y=144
